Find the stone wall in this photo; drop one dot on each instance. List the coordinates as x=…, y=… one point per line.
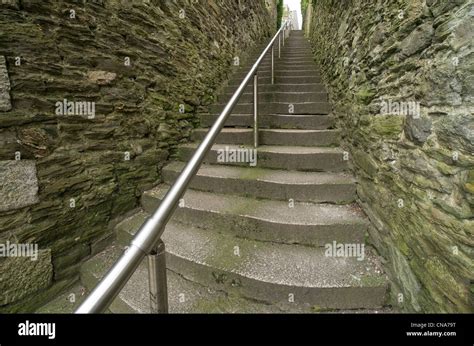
x=94, y=98
x=400, y=78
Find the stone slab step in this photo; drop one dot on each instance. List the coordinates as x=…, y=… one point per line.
x=280, y=73
x=184, y=296
x=244, y=136
x=292, y=46
x=291, y=62
x=297, y=54
x=315, y=187
x=281, y=80
x=291, y=52
x=276, y=108
x=294, y=50
x=285, y=60
x=287, y=66
x=287, y=97
x=265, y=220
x=294, y=158
x=305, y=138
x=264, y=88
x=281, y=64
x=284, y=51
x=273, y=273
x=283, y=121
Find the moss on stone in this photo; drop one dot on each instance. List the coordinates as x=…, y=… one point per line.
x=365, y=95
x=389, y=126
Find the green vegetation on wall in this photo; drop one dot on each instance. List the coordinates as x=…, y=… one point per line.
x=305, y=4
x=279, y=13
x=148, y=69
x=414, y=168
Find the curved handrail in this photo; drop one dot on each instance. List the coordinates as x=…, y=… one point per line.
x=150, y=232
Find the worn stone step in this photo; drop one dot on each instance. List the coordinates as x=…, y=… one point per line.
x=228, y=135
x=283, y=65
x=283, y=59
x=184, y=295
x=280, y=80
x=292, y=47
x=297, y=48
x=282, y=88
x=265, y=220
x=290, y=51
x=272, y=273
x=281, y=73
x=305, y=138
x=279, y=96
x=289, y=58
x=266, y=62
x=276, y=108
x=316, y=187
x=306, y=57
x=283, y=121
x=244, y=136
x=277, y=157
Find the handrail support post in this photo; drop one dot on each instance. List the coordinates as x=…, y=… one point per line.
x=255, y=110
x=279, y=46
x=158, y=280
x=273, y=65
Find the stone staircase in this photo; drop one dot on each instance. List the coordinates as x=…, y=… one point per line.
x=252, y=239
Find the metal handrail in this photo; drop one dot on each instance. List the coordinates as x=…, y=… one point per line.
x=147, y=241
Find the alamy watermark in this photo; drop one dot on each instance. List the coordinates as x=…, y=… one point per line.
x=336, y=249
x=37, y=329
x=406, y=108
x=19, y=250
x=80, y=108
x=237, y=155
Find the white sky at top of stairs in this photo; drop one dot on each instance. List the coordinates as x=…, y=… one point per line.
x=295, y=5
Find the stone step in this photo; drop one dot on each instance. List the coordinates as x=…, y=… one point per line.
x=272, y=273
x=278, y=121
x=265, y=220
x=297, y=46
x=281, y=80
x=289, y=58
x=276, y=108
x=280, y=74
x=297, y=52
x=284, y=58
x=282, y=88
x=244, y=136
x=277, y=157
x=290, y=51
x=316, y=187
x=280, y=96
x=283, y=65
x=304, y=138
x=266, y=62
x=305, y=60
x=184, y=296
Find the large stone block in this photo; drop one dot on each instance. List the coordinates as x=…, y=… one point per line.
x=5, y=104
x=19, y=185
x=20, y=276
